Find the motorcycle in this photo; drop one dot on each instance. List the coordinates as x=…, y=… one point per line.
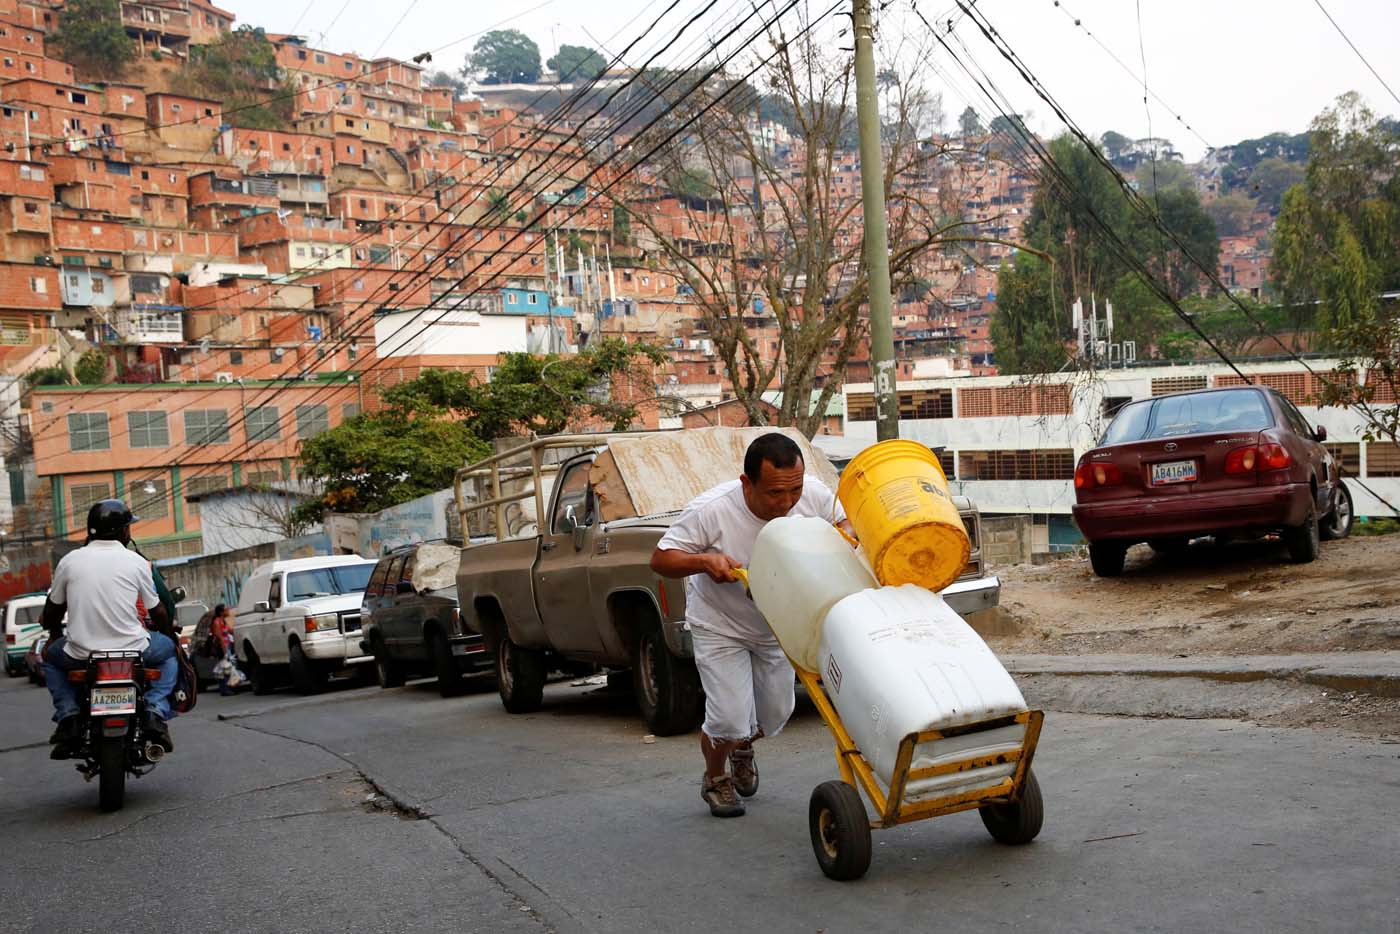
x=112, y=707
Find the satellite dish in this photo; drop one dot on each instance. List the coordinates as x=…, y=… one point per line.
x=204, y=346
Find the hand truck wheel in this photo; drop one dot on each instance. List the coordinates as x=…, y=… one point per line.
x=840, y=830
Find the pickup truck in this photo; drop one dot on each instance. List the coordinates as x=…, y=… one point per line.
x=572, y=583
x=299, y=620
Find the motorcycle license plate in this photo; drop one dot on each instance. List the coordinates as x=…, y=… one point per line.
x=1174, y=472
x=106, y=701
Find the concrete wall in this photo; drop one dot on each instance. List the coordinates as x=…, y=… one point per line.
x=371, y=535
x=25, y=569
x=219, y=578
x=458, y=332
x=1006, y=540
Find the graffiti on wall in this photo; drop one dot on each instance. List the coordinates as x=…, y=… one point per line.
x=23, y=574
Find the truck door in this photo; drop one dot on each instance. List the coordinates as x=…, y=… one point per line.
x=561, y=573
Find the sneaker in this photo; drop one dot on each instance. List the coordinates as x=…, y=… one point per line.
x=741, y=763
x=719, y=794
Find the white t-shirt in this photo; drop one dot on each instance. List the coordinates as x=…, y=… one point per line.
x=101, y=584
x=719, y=520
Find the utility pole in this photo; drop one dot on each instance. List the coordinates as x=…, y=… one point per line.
x=877, y=251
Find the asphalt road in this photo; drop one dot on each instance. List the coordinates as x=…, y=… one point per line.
x=369, y=810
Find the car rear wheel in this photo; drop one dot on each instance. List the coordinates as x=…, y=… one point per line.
x=388, y=672
x=1339, y=520
x=520, y=676
x=1107, y=558
x=449, y=677
x=667, y=688
x=1304, y=541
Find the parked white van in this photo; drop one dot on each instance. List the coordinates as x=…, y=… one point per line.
x=299, y=620
x=21, y=620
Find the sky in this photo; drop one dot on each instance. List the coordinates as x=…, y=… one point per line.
x=1227, y=70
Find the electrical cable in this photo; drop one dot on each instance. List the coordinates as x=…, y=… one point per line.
x=1337, y=26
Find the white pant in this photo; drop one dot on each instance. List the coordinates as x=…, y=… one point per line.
x=748, y=685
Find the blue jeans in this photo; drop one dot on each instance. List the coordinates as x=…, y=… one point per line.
x=160, y=653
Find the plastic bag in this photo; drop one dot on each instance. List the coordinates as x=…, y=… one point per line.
x=223, y=667
x=236, y=677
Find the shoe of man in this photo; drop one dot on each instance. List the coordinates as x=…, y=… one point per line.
x=67, y=739
x=720, y=795
x=157, y=731
x=745, y=770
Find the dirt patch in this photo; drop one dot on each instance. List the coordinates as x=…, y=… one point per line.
x=1243, y=599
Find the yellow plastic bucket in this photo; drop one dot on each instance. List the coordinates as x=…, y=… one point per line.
x=897, y=498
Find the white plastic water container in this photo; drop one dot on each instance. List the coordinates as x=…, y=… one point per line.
x=898, y=660
x=801, y=567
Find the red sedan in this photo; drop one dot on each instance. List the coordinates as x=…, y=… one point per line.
x=1239, y=462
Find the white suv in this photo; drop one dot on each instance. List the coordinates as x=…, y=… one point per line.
x=300, y=619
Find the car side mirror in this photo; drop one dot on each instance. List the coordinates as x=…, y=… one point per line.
x=262, y=606
x=404, y=587
x=178, y=594
x=1320, y=433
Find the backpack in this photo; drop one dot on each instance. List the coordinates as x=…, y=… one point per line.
x=186, y=693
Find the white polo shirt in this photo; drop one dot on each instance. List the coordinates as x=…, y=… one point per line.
x=101, y=584
x=719, y=520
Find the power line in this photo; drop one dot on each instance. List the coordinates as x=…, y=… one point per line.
x=1369, y=66
x=248, y=446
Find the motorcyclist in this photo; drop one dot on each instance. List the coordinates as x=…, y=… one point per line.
x=107, y=592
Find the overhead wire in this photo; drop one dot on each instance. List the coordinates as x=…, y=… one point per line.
x=577, y=210
x=1341, y=32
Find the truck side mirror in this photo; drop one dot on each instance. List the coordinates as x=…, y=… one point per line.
x=405, y=587
x=579, y=531
x=262, y=606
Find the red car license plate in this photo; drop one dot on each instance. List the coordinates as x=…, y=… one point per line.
x=107, y=701
x=1174, y=472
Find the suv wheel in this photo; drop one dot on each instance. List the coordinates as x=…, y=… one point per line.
x=1107, y=558
x=1339, y=520
x=1303, y=541
x=667, y=688
x=449, y=677
x=388, y=672
x=307, y=676
x=520, y=675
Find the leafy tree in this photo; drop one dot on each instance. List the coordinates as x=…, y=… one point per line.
x=577, y=63
x=48, y=376
x=621, y=226
x=446, y=79
x=90, y=36
x=240, y=68
x=1026, y=338
x=1166, y=175
x=505, y=56
x=1012, y=126
x=1270, y=179
x=432, y=425
x=1114, y=144
x=1338, y=233
x=969, y=123
x=91, y=368
x=1231, y=214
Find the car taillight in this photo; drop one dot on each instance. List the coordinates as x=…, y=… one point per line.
x=1242, y=460
x=9, y=638
x=1093, y=475
x=115, y=669
x=1264, y=457
x=1274, y=457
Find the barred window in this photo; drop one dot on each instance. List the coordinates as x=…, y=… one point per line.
x=263, y=423
x=1166, y=385
x=204, y=484
x=1016, y=465
x=1382, y=460
x=88, y=431
x=147, y=429
x=151, y=505
x=312, y=420
x=206, y=426
x=83, y=496
x=1348, y=455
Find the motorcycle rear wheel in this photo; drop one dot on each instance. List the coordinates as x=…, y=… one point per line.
x=111, y=775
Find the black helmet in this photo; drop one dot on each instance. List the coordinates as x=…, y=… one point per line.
x=108, y=519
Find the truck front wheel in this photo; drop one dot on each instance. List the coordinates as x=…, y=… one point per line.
x=667, y=687
x=520, y=675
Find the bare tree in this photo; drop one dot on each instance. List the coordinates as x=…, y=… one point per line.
x=266, y=513
x=743, y=222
